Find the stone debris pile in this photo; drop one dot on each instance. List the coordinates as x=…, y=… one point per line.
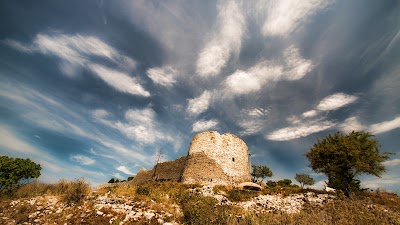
x=135, y=210
x=293, y=203
x=104, y=208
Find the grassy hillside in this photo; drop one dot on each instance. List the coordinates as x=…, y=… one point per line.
x=174, y=203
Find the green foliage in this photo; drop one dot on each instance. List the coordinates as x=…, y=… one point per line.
x=130, y=178
x=198, y=208
x=304, y=179
x=260, y=171
x=114, y=180
x=284, y=182
x=271, y=183
x=235, y=195
x=111, y=181
x=342, y=157
x=14, y=171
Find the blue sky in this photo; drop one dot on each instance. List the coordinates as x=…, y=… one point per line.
x=95, y=88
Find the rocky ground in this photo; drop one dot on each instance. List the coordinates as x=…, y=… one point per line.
x=271, y=203
x=109, y=209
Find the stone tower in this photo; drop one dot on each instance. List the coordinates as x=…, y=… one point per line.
x=217, y=159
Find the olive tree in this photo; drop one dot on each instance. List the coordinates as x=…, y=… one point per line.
x=342, y=157
x=260, y=171
x=15, y=171
x=304, y=179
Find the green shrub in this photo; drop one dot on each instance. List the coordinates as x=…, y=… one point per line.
x=236, y=195
x=198, y=209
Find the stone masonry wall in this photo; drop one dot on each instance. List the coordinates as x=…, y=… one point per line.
x=229, y=153
x=212, y=159
x=166, y=171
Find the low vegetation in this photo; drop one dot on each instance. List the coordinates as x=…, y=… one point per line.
x=363, y=208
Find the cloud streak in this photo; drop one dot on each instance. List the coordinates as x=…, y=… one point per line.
x=203, y=125
x=303, y=125
x=118, y=80
x=299, y=131
x=164, y=76
x=286, y=16
x=78, y=50
x=83, y=160
x=198, y=105
x=228, y=40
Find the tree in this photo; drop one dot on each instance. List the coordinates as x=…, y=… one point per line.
x=342, y=157
x=158, y=159
x=284, y=182
x=111, y=181
x=304, y=179
x=15, y=171
x=260, y=171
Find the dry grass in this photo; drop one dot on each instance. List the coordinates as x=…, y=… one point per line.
x=72, y=192
x=364, y=208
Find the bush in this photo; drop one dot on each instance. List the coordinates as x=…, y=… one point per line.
x=14, y=171
x=143, y=190
x=76, y=192
x=236, y=195
x=198, y=209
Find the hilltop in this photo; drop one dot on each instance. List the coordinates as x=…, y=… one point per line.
x=176, y=203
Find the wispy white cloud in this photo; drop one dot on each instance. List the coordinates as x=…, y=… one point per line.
x=296, y=66
x=19, y=46
x=10, y=141
x=50, y=113
x=203, y=125
x=336, y=101
x=255, y=78
x=198, y=105
x=300, y=130
x=385, y=126
x=311, y=113
x=124, y=170
x=388, y=181
x=252, y=121
x=252, y=80
x=119, y=80
x=84, y=160
x=393, y=162
x=351, y=124
x=227, y=41
x=286, y=16
x=76, y=51
x=141, y=125
x=303, y=126
x=164, y=76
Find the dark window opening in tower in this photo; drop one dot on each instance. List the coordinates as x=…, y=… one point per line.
x=233, y=159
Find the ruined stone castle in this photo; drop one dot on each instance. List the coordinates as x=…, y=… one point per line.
x=212, y=159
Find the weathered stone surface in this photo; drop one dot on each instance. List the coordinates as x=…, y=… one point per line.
x=250, y=186
x=212, y=159
x=217, y=159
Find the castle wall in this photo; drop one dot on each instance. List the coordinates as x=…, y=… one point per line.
x=227, y=159
x=166, y=171
x=212, y=159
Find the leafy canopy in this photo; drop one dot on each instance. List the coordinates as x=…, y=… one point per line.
x=342, y=157
x=304, y=179
x=260, y=171
x=14, y=171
